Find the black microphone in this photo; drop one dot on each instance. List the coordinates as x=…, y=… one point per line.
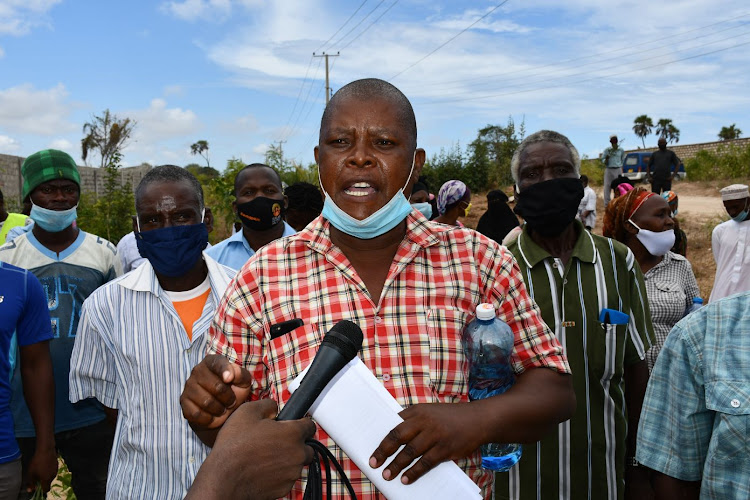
x=339, y=346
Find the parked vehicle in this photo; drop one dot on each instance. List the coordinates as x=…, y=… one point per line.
x=636, y=163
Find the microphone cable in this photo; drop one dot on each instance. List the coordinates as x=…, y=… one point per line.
x=314, y=488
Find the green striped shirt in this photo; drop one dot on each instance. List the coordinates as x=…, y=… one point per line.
x=585, y=459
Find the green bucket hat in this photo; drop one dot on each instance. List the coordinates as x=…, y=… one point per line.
x=48, y=165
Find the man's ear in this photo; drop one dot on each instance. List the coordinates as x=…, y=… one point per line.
x=134, y=218
x=286, y=202
x=208, y=219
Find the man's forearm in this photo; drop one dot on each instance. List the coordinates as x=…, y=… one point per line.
x=517, y=417
x=636, y=380
x=39, y=391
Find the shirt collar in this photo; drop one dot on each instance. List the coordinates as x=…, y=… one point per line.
x=239, y=237
x=143, y=278
x=533, y=254
x=418, y=230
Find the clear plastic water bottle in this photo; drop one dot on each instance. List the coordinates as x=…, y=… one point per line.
x=488, y=344
x=697, y=304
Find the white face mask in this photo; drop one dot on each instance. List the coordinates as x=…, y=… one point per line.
x=656, y=243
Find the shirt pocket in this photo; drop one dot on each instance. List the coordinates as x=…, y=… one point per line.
x=289, y=354
x=448, y=367
x=605, y=354
x=730, y=400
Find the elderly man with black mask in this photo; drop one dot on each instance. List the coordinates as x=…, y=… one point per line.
x=592, y=294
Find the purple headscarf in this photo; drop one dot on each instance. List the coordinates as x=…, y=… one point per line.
x=450, y=193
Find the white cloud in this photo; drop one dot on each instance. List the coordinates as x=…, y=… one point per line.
x=193, y=10
x=158, y=122
x=260, y=149
x=28, y=110
x=18, y=17
x=243, y=125
x=9, y=145
x=176, y=90
x=61, y=144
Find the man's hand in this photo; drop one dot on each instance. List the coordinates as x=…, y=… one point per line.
x=255, y=456
x=215, y=389
x=42, y=469
x=437, y=432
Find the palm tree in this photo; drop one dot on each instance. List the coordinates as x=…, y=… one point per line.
x=666, y=129
x=729, y=133
x=642, y=126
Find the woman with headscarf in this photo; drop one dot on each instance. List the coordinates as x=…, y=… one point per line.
x=643, y=221
x=453, y=201
x=499, y=219
x=680, y=238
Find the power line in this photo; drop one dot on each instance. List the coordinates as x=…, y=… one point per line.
x=358, y=37
x=476, y=98
x=360, y=22
x=528, y=72
x=296, y=101
x=307, y=98
x=428, y=84
x=449, y=40
x=341, y=27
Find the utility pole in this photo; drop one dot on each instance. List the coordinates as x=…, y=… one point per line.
x=328, y=87
x=281, y=152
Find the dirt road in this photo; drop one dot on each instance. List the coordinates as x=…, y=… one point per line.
x=700, y=206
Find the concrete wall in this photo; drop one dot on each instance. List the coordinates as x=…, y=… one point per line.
x=92, y=179
x=687, y=151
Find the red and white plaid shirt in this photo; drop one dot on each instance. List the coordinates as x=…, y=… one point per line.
x=412, y=336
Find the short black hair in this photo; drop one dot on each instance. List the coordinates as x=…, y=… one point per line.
x=169, y=173
x=585, y=178
x=1, y=195
x=255, y=165
x=305, y=197
x=370, y=88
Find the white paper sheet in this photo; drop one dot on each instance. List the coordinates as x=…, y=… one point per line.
x=357, y=412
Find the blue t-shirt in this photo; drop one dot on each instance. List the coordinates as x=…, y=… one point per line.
x=23, y=310
x=67, y=279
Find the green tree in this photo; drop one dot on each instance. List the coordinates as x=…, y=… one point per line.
x=105, y=135
x=274, y=157
x=109, y=216
x=492, y=150
x=200, y=148
x=729, y=133
x=666, y=129
x=642, y=127
x=444, y=166
x=219, y=194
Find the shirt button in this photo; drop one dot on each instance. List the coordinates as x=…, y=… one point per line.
x=565, y=282
x=386, y=377
x=191, y=460
x=735, y=403
x=378, y=319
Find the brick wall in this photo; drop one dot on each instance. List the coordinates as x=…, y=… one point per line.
x=92, y=179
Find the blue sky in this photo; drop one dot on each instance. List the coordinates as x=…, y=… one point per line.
x=240, y=73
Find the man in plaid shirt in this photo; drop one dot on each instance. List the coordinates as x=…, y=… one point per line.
x=410, y=284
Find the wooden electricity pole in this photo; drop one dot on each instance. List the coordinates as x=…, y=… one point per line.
x=328, y=87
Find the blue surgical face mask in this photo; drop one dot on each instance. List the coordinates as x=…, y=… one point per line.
x=53, y=221
x=382, y=221
x=424, y=207
x=173, y=250
x=742, y=216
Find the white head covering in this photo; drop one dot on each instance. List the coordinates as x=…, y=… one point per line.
x=613, y=136
x=734, y=192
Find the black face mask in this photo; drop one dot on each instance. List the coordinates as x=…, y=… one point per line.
x=261, y=213
x=549, y=207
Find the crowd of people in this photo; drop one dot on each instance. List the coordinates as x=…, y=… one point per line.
x=152, y=370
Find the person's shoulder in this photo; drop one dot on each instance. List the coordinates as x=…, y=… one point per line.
x=101, y=244
x=13, y=245
x=609, y=246
x=10, y=270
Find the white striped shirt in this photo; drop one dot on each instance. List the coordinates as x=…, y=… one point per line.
x=132, y=353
